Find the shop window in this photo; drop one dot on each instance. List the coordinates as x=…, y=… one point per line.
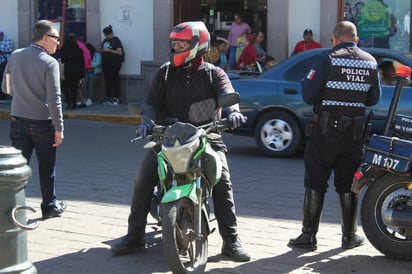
x=380, y=23
x=68, y=15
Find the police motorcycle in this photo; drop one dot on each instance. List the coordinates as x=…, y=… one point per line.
x=188, y=169
x=386, y=209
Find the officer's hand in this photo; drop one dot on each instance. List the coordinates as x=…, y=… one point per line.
x=236, y=119
x=143, y=130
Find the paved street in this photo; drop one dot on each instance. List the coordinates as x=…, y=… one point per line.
x=95, y=171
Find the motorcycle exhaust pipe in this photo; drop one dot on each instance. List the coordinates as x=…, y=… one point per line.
x=398, y=218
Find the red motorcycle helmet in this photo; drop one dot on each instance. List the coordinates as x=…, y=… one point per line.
x=196, y=33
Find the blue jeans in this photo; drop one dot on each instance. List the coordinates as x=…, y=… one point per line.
x=232, y=57
x=26, y=135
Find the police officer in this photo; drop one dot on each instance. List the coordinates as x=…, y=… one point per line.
x=340, y=85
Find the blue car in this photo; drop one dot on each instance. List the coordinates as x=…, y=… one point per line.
x=276, y=113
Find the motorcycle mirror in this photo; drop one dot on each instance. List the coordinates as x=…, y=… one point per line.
x=228, y=99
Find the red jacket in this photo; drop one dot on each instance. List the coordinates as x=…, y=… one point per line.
x=247, y=57
x=302, y=46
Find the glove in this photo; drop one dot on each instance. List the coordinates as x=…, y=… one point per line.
x=143, y=130
x=236, y=119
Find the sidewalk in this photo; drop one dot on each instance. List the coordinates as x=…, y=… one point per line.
x=96, y=112
x=95, y=170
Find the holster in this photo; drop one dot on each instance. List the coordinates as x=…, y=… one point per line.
x=344, y=123
x=324, y=123
x=358, y=127
x=310, y=127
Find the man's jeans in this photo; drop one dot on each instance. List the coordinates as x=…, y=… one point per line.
x=26, y=135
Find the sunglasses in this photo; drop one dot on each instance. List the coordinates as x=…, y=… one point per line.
x=57, y=38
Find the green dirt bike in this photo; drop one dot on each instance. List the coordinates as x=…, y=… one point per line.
x=188, y=169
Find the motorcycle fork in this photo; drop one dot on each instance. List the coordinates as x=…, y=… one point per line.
x=198, y=205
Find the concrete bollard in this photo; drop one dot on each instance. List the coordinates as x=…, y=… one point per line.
x=14, y=173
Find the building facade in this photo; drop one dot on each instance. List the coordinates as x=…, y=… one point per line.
x=143, y=26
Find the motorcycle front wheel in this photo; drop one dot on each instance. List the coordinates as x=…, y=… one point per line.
x=387, y=193
x=185, y=249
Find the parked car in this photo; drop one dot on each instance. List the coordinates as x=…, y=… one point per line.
x=276, y=113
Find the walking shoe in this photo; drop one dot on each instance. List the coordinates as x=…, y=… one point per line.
x=115, y=102
x=107, y=102
x=128, y=245
x=54, y=211
x=234, y=250
x=89, y=102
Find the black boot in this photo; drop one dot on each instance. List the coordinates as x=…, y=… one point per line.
x=233, y=249
x=128, y=244
x=312, y=208
x=349, y=206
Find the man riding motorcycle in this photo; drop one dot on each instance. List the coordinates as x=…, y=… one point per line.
x=185, y=88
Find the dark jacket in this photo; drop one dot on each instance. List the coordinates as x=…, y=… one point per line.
x=72, y=58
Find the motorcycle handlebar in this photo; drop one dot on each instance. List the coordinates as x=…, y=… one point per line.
x=158, y=130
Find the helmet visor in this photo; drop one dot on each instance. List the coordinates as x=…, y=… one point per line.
x=180, y=45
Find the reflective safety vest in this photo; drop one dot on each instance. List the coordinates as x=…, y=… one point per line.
x=350, y=77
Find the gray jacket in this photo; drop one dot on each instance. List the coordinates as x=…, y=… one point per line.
x=34, y=85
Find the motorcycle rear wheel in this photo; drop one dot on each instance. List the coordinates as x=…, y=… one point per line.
x=387, y=192
x=184, y=252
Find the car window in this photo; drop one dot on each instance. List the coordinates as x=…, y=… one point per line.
x=387, y=69
x=299, y=70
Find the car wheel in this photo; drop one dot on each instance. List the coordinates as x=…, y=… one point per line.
x=278, y=134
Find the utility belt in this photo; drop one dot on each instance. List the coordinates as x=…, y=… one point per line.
x=325, y=123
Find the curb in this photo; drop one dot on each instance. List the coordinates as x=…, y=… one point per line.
x=110, y=118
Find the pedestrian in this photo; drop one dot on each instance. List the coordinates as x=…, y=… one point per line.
x=112, y=51
x=94, y=73
x=269, y=62
x=248, y=58
x=87, y=65
x=222, y=45
x=74, y=69
x=199, y=83
x=237, y=29
x=36, y=109
x=260, y=51
x=306, y=43
x=217, y=53
x=6, y=48
x=343, y=81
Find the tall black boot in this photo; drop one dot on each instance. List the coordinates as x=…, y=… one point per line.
x=312, y=209
x=349, y=207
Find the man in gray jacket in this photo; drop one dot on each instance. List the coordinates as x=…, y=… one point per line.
x=32, y=79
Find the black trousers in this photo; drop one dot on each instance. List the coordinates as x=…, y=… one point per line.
x=72, y=85
x=112, y=79
x=335, y=152
x=145, y=181
x=27, y=135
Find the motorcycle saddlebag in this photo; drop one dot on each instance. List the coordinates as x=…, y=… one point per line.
x=403, y=125
x=389, y=152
